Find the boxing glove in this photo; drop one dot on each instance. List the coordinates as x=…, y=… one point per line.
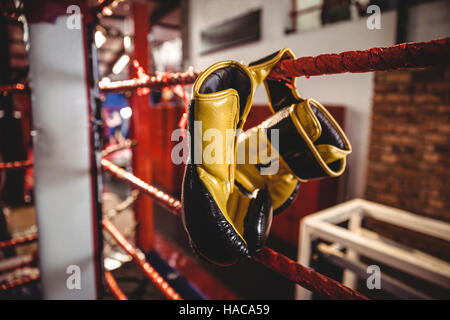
x=223, y=223
x=298, y=143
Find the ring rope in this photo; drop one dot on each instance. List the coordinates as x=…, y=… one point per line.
x=308, y=278
x=163, y=199
x=18, y=241
x=15, y=165
x=12, y=88
x=127, y=246
x=158, y=81
x=125, y=204
x=118, y=147
x=18, y=262
x=149, y=271
x=114, y=287
x=405, y=55
x=19, y=282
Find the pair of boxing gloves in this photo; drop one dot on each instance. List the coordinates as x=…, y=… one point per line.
x=229, y=201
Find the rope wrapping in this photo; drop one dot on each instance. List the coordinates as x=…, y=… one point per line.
x=405, y=55
x=308, y=278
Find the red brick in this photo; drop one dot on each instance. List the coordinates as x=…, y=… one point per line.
x=389, y=158
x=409, y=163
x=388, y=199
x=444, y=108
x=397, y=98
x=436, y=138
x=426, y=98
x=431, y=157
x=439, y=87
x=397, y=76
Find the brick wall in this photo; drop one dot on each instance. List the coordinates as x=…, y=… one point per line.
x=409, y=166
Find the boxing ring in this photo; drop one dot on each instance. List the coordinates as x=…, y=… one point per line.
x=413, y=55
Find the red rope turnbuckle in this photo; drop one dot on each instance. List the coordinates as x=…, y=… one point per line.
x=149, y=271
x=406, y=55
x=308, y=278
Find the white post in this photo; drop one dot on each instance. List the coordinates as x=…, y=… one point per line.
x=304, y=255
x=350, y=279
x=64, y=186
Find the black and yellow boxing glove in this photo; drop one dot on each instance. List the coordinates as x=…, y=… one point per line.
x=224, y=224
x=298, y=143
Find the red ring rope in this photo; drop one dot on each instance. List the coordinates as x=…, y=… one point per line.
x=21, y=263
x=153, y=82
x=114, y=287
x=18, y=87
x=149, y=271
x=163, y=199
x=18, y=241
x=308, y=278
x=405, y=55
x=125, y=244
x=118, y=147
x=14, y=165
x=18, y=282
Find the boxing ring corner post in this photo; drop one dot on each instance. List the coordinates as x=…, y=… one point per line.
x=141, y=159
x=67, y=214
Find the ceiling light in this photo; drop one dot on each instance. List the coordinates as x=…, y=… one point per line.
x=120, y=64
x=99, y=38
x=105, y=81
x=126, y=112
x=107, y=11
x=127, y=42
